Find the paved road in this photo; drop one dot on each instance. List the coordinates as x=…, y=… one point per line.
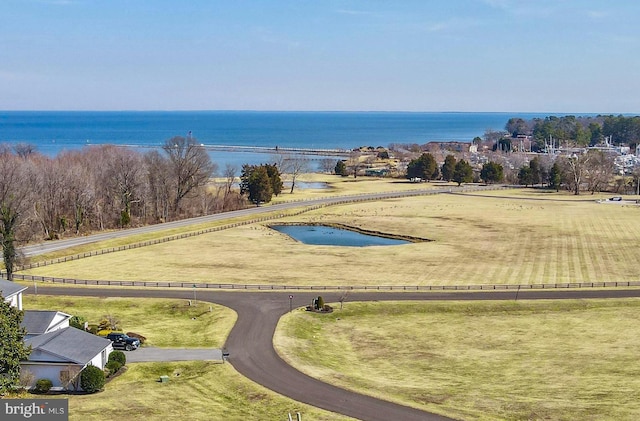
x=51, y=246
x=251, y=349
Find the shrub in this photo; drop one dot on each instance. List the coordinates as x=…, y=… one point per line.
x=43, y=386
x=77, y=322
x=138, y=336
x=92, y=379
x=113, y=366
x=118, y=356
x=320, y=305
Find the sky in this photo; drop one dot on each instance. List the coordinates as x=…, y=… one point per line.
x=552, y=56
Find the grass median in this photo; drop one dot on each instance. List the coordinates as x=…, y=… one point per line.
x=560, y=360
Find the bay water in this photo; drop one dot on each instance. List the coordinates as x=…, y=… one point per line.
x=52, y=132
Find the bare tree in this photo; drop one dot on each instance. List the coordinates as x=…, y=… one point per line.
x=598, y=172
x=158, y=185
x=190, y=167
x=14, y=202
x=48, y=179
x=574, y=170
x=354, y=163
x=226, y=189
x=124, y=171
x=294, y=165
x=24, y=150
x=327, y=165
x=343, y=298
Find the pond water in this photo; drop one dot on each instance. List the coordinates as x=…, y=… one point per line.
x=329, y=236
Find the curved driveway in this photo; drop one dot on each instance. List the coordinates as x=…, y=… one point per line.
x=251, y=349
x=250, y=343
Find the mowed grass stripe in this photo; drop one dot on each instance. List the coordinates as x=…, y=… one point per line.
x=507, y=360
x=476, y=240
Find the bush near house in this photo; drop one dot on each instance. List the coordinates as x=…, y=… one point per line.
x=118, y=356
x=112, y=367
x=92, y=379
x=43, y=386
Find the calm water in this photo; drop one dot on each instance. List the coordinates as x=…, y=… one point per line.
x=329, y=236
x=53, y=132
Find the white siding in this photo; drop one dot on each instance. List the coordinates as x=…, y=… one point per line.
x=101, y=359
x=46, y=371
x=15, y=301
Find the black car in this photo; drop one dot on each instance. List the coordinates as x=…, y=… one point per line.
x=122, y=341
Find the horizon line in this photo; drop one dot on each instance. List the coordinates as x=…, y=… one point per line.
x=551, y=113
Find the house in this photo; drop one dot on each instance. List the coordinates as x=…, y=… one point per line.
x=60, y=355
x=39, y=322
x=58, y=352
x=12, y=293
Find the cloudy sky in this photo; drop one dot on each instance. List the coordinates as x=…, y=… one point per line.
x=414, y=55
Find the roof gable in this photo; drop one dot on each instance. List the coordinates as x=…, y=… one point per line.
x=70, y=344
x=37, y=322
x=8, y=289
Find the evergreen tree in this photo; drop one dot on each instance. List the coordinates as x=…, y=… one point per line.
x=424, y=167
x=555, y=177
x=463, y=172
x=534, y=165
x=448, y=168
x=275, y=178
x=492, y=172
x=12, y=349
x=341, y=169
x=256, y=184
x=524, y=176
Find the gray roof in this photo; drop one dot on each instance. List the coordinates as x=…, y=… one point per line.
x=71, y=344
x=36, y=322
x=8, y=288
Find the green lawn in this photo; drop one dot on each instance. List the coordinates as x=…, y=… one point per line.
x=164, y=322
x=520, y=236
x=196, y=390
x=557, y=360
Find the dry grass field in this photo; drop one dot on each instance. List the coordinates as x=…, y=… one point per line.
x=551, y=360
x=519, y=236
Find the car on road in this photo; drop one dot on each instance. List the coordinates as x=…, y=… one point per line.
x=123, y=341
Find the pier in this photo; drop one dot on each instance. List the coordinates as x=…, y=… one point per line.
x=261, y=149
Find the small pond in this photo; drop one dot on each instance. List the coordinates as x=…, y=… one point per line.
x=329, y=236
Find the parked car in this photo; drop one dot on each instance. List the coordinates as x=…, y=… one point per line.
x=122, y=341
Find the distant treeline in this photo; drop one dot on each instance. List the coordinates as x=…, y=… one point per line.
x=579, y=131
